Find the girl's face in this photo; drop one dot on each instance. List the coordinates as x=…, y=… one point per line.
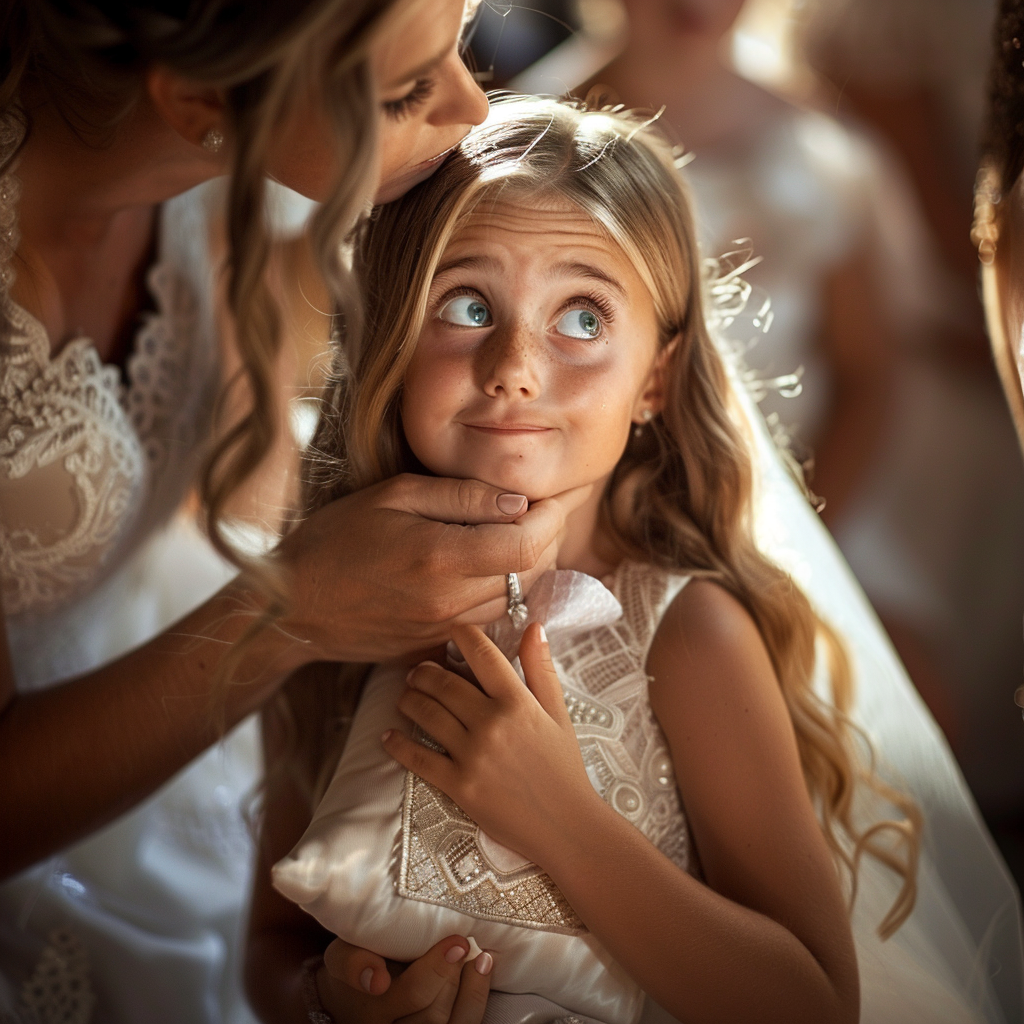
x=537, y=355
x=429, y=101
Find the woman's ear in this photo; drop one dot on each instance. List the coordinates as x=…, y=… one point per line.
x=651, y=400
x=194, y=111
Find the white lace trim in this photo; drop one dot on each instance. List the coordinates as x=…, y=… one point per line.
x=59, y=990
x=114, y=443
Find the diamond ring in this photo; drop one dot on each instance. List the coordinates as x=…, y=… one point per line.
x=517, y=610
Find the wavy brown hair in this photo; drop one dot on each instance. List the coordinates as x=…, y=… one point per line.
x=88, y=59
x=681, y=495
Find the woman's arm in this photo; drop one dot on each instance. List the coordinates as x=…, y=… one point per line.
x=374, y=575
x=354, y=985
x=767, y=938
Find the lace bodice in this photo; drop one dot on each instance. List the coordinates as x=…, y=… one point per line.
x=88, y=465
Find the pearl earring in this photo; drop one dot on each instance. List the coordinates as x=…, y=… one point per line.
x=647, y=416
x=213, y=140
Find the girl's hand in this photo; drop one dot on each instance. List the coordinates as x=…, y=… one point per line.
x=513, y=765
x=355, y=986
x=390, y=569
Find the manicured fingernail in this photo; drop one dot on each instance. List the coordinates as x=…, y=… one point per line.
x=543, y=635
x=386, y=736
x=511, y=504
x=455, y=954
x=366, y=979
x=483, y=963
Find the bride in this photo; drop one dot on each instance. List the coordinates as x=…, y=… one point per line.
x=128, y=291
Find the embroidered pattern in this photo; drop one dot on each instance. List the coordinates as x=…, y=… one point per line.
x=442, y=862
x=443, y=857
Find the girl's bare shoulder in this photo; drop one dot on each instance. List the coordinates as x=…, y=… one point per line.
x=708, y=648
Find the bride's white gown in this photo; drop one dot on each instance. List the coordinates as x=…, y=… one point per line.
x=139, y=922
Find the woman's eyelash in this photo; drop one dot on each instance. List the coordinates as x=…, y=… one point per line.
x=406, y=104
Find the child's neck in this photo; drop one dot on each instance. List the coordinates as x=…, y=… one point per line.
x=581, y=545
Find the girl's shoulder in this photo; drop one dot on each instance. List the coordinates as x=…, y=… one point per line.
x=706, y=642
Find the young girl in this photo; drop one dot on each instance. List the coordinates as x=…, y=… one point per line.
x=663, y=807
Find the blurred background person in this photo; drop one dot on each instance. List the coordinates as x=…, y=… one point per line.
x=912, y=447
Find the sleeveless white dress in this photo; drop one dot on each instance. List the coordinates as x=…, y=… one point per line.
x=141, y=921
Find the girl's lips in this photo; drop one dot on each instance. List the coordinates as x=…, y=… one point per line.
x=507, y=428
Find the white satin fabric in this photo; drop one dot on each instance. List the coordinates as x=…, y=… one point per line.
x=391, y=864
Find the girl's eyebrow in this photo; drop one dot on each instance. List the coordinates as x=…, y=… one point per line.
x=476, y=262
x=573, y=269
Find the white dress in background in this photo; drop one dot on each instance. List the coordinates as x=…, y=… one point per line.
x=141, y=921
x=934, y=531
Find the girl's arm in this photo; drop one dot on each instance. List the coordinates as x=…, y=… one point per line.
x=376, y=574
x=438, y=987
x=767, y=938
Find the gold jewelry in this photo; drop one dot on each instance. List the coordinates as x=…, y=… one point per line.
x=213, y=140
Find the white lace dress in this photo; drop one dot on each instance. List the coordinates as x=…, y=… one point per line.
x=140, y=921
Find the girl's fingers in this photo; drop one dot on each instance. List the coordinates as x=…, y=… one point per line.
x=358, y=968
x=474, y=987
x=435, y=768
x=491, y=668
x=434, y=719
x=459, y=696
x=541, y=677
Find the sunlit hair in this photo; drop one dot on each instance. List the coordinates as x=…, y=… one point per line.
x=681, y=495
x=998, y=193
x=88, y=59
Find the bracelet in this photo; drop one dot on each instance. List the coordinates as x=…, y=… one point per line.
x=314, y=1008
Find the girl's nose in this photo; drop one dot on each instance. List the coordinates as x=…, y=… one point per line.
x=510, y=368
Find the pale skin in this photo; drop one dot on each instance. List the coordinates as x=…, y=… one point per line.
x=76, y=756
x=521, y=389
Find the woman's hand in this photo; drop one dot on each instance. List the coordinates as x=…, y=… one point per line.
x=392, y=568
x=513, y=762
x=355, y=986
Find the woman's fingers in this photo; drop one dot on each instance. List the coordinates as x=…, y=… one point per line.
x=358, y=968
x=463, y=502
x=474, y=987
x=426, y=991
x=463, y=1002
x=541, y=677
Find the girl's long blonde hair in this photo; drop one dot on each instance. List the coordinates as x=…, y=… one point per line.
x=681, y=495
x=88, y=59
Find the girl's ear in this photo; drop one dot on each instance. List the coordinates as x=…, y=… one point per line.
x=651, y=400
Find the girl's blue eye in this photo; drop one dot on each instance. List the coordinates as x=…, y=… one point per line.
x=466, y=311
x=579, y=323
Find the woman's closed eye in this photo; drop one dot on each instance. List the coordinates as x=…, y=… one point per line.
x=417, y=95
x=466, y=311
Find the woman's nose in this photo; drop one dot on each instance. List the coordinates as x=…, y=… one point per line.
x=465, y=102
x=511, y=367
